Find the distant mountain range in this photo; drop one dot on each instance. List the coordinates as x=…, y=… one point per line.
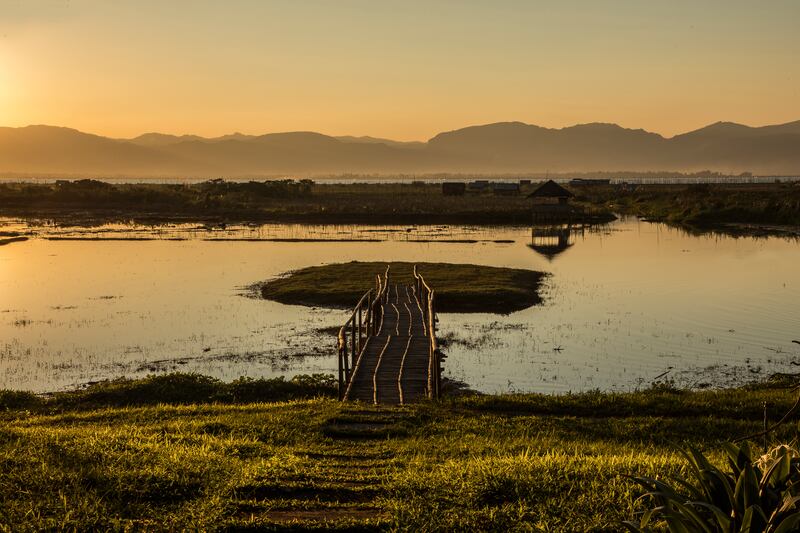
x=506, y=147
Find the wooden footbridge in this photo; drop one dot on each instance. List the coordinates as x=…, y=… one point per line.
x=387, y=348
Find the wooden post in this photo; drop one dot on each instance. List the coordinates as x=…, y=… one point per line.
x=438, y=376
x=435, y=373
x=353, y=341
x=359, y=329
x=430, y=377
x=341, y=374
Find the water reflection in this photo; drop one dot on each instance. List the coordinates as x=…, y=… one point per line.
x=625, y=303
x=550, y=241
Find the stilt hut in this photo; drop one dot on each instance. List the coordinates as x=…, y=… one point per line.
x=550, y=203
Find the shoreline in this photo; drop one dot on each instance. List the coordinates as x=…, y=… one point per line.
x=181, y=388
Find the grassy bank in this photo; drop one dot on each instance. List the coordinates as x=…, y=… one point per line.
x=556, y=463
x=459, y=288
x=90, y=201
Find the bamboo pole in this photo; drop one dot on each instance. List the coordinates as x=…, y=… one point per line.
x=341, y=375
x=359, y=327
x=353, y=339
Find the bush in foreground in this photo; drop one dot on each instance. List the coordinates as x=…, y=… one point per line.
x=754, y=496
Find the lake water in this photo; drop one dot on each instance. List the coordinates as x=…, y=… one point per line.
x=625, y=304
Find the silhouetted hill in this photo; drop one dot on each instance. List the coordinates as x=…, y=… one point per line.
x=376, y=140
x=505, y=147
x=731, y=147
x=511, y=146
x=48, y=149
x=732, y=130
x=161, y=139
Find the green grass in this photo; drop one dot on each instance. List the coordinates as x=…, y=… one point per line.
x=518, y=462
x=459, y=288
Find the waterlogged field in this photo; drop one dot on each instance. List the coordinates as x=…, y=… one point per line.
x=627, y=304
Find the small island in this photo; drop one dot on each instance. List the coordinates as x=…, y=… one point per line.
x=460, y=288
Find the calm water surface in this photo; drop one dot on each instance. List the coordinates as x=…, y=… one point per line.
x=625, y=305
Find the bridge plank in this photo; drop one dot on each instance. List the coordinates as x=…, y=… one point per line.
x=397, y=357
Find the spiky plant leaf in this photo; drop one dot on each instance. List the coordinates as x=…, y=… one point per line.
x=691, y=518
x=738, y=456
x=778, y=472
x=676, y=525
x=789, y=502
x=788, y=524
x=724, y=502
x=723, y=520
x=747, y=493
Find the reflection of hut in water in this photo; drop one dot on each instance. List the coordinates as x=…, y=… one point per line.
x=551, y=203
x=550, y=241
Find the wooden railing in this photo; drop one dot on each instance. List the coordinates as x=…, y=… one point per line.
x=427, y=299
x=365, y=320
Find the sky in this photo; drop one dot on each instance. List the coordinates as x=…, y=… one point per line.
x=399, y=69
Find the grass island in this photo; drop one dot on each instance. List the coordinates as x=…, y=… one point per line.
x=460, y=288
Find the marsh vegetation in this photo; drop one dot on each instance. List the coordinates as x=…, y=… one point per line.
x=702, y=206
x=92, y=201
x=737, y=208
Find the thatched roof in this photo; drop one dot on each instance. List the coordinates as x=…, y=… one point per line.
x=550, y=189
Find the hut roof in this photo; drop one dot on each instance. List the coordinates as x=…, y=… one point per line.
x=550, y=189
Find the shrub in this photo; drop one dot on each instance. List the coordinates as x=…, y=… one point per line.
x=11, y=399
x=246, y=390
x=181, y=388
x=177, y=388
x=754, y=496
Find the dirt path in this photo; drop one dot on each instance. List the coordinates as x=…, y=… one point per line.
x=341, y=488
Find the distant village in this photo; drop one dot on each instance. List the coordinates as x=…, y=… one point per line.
x=498, y=188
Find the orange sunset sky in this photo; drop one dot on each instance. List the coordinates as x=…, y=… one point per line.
x=403, y=70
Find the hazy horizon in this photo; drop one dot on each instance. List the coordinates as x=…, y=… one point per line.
x=367, y=135
x=492, y=148
x=398, y=71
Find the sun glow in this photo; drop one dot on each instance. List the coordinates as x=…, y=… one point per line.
x=5, y=87
x=3, y=79
x=295, y=66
